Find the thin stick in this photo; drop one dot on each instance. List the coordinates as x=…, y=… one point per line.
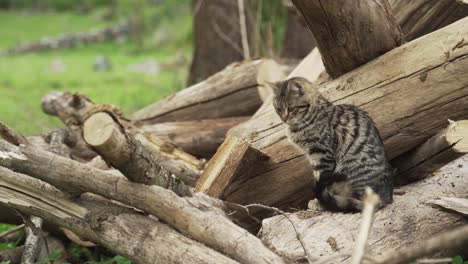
x=243, y=29
x=434, y=261
x=10, y=231
x=452, y=239
x=371, y=200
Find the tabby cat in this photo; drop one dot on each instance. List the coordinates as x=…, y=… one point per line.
x=341, y=142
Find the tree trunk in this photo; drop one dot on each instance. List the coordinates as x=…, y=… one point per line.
x=198, y=217
x=121, y=229
x=345, y=43
x=405, y=117
x=200, y=138
x=420, y=17
x=217, y=37
x=409, y=219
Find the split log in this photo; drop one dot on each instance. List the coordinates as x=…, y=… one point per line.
x=420, y=17
x=199, y=217
x=405, y=117
x=113, y=226
x=119, y=148
x=407, y=220
x=200, y=138
x=344, y=43
x=231, y=92
x=437, y=151
x=73, y=109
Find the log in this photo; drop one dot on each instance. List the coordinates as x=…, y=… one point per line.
x=420, y=17
x=405, y=117
x=200, y=138
x=215, y=179
x=344, y=43
x=104, y=132
x=459, y=205
x=409, y=219
x=437, y=151
x=115, y=227
x=73, y=109
x=198, y=217
x=231, y=92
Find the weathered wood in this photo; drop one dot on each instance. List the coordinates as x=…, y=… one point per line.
x=200, y=138
x=230, y=92
x=459, y=205
x=419, y=17
x=405, y=117
x=454, y=239
x=124, y=231
x=118, y=147
x=183, y=165
x=217, y=177
x=33, y=242
x=409, y=219
x=73, y=109
x=437, y=151
x=297, y=41
x=344, y=43
x=198, y=217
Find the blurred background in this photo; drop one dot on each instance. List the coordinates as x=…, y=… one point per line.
x=129, y=53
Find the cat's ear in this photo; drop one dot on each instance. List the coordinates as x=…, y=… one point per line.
x=274, y=86
x=296, y=89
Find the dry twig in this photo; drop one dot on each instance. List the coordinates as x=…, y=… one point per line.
x=371, y=200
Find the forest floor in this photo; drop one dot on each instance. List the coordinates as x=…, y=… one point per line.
x=24, y=79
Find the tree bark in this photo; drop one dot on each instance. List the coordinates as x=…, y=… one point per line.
x=231, y=92
x=200, y=138
x=420, y=17
x=199, y=217
x=73, y=109
x=115, y=227
x=437, y=151
x=108, y=137
x=405, y=117
x=344, y=43
x=409, y=219
x=216, y=37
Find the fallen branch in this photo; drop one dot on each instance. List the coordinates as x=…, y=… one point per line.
x=11, y=231
x=109, y=138
x=106, y=223
x=453, y=239
x=192, y=217
x=33, y=242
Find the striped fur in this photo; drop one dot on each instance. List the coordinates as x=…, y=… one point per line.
x=341, y=142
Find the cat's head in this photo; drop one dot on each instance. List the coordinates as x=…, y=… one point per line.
x=293, y=97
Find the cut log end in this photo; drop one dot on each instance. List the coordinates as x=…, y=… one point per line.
x=103, y=133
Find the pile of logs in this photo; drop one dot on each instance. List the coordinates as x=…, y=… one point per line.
x=192, y=178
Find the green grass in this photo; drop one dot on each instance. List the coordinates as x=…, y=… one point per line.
x=24, y=79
